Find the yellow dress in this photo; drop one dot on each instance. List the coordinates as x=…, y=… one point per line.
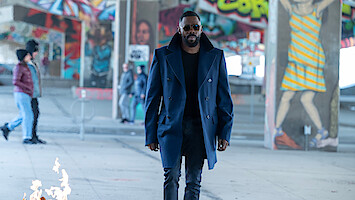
x=306, y=58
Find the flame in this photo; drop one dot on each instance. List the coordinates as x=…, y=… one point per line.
x=56, y=166
x=55, y=192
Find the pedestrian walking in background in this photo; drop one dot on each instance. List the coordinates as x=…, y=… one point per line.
x=126, y=84
x=188, y=105
x=45, y=64
x=23, y=91
x=32, y=48
x=140, y=86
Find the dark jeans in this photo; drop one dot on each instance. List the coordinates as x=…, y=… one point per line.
x=35, y=110
x=193, y=148
x=135, y=101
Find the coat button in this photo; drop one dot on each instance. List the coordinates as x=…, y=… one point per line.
x=168, y=117
x=168, y=79
x=208, y=117
x=170, y=98
x=210, y=80
x=207, y=98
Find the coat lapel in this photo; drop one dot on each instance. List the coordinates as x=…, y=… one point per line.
x=175, y=61
x=204, y=65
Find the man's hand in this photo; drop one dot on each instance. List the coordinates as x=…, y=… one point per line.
x=153, y=146
x=222, y=144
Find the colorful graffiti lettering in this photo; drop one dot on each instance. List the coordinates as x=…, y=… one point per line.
x=87, y=10
x=348, y=12
x=256, y=10
x=348, y=26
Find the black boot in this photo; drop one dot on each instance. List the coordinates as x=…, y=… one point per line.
x=37, y=140
x=5, y=131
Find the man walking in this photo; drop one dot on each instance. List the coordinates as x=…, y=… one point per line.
x=188, y=105
x=32, y=48
x=126, y=84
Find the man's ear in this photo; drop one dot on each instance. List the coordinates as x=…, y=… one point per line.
x=178, y=30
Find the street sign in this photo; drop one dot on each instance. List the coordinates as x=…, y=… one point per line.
x=138, y=53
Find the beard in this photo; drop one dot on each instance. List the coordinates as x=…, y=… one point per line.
x=190, y=43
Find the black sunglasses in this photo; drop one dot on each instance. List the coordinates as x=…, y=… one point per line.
x=188, y=27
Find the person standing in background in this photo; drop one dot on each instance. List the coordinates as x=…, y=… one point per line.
x=32, y=48
x=126, y=84
x=23, y=91
x=45, y=64
x=139, y=91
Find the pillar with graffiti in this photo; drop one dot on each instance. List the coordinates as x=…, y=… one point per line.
x=302, y=91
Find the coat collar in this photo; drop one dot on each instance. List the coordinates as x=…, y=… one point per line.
x=175, y=43
x=206, y=58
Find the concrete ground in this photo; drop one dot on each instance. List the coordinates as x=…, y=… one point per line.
x=120, y=167
x=112, y=162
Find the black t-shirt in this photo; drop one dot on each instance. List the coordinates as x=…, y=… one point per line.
x=190, y=63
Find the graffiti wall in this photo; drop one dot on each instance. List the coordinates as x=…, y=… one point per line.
x=71, y=28
x=98, y=51
x=253, y=12
x=348, y=26
x=228, y=34
x=168, y=22
x=18, y=33
x=82, y=9
x=93, y=12
x=144, y=29
x=307, y=61
x=21, y=32
x=225, y=33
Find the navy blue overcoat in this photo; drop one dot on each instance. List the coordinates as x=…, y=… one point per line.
x=166, y=98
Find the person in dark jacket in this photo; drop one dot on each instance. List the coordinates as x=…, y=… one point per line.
x=140, y=86
x=22, y=80
x=126, y=84
x=188, y=106
x=32, y=48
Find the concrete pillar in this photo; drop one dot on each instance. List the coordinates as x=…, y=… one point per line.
x=303, y=74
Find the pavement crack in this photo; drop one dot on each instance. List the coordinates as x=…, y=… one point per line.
x=125, y=145
x=60, y=107
x=209, y=194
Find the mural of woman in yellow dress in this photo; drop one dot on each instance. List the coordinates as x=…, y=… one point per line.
x=305, y=69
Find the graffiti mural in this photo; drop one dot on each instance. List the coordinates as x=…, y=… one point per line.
x=348, y=26
x=82, y=9
x=144, y=31
x=224, y=32
x=253, y=12
x=98, y=50
x=71, y=28
x=20, y=32
x=304, y=74
x=229, y=34
x=168, y=21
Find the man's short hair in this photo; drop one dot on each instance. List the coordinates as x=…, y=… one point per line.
x=189, y=14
